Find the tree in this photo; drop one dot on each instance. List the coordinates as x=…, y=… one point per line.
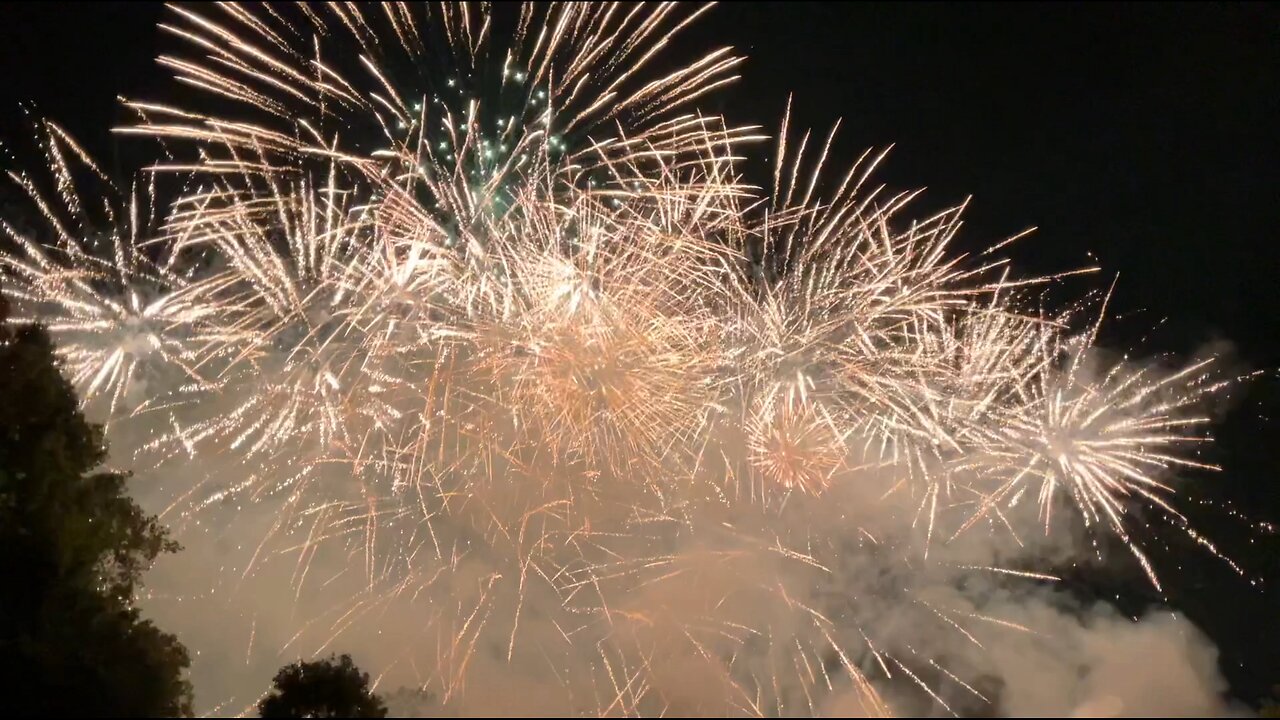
x=414, y=702
x=1271, y=706
x=322, y=689
x=74, y=549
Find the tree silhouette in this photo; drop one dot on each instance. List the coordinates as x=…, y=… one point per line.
x=74, y=549
x=322, y=689
x=1271, y=706
x=413, y=702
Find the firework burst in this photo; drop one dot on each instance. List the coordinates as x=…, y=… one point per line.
x=91, y=263
x=500, y=351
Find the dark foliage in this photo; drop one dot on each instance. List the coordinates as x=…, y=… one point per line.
x=75, y=547
x=332, y=688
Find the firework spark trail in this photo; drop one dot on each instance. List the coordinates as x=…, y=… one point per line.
x=293, y=263
x=593, y=408
x=559, y=87
x=100, y=277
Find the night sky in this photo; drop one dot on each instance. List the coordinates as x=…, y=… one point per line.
x=1145, y=135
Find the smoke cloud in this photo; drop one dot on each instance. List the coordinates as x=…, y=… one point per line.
x=740, y=620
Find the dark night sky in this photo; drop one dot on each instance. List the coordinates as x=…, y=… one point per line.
x=1144, y=134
